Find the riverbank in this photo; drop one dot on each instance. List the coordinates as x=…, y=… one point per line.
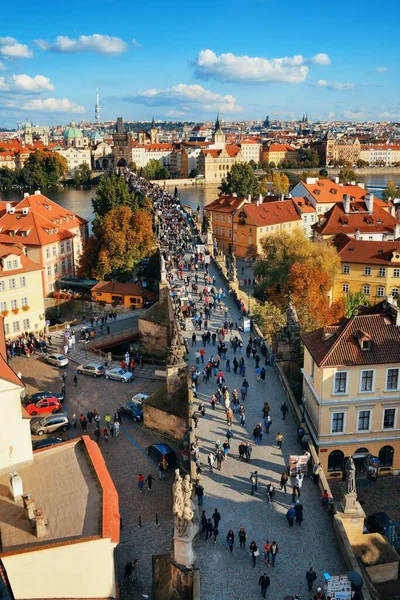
x=362, y=171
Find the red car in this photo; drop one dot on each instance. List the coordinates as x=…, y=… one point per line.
x=45, y=405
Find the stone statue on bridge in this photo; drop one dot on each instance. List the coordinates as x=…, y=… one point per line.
x=183, y=513
x=350, y=476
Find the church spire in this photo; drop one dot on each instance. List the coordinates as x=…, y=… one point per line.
x=153, y=124
x=217, y=123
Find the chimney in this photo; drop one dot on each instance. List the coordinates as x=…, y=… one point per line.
x=249, y=198
x=37, y=192
x=352, y=183
x=361, y=185
x=369, y=201
x=335, y=179
x=397, y=231
x=8, y=207
x=392, y=211
x=357, y=234
x=29, y=506
x=311, y=180
x=40, y=523
x=16, y=487
x=282, y=197
x=26, y=194
x=346, y=204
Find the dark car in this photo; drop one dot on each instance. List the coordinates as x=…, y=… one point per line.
x=40, y=395
x=380, y=522
x=46, y=443
x=132, y=410
x=158, y=451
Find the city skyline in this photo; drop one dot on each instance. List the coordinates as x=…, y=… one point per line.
x=187, y=66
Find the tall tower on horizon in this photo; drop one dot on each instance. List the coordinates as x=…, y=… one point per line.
x=97, y=110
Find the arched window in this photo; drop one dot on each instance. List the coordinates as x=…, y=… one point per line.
x=336, y=461
x=386, y=456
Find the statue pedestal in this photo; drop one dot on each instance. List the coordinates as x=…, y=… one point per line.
x=349, y=503
x=183, y=546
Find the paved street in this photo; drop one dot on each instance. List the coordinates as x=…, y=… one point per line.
x=226, y=575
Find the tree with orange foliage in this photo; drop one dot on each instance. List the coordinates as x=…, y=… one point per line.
x=309, y=288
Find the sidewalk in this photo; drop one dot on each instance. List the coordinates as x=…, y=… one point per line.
x=226, y=575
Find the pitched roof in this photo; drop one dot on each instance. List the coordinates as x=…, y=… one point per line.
x=338, y=346
x=272, y=213
x=6, y=372
x=26, y=263
x=225, y=204
x=351, y=250
x=304, y=205
x=326, y=191
x=127, y=289
x=281, y=148
x=336, y=221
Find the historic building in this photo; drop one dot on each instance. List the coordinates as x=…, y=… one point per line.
x=341, y=150
x=122, y=145
x=351, y=388
x=75, y=157
x=277, y=153
x=73, y=136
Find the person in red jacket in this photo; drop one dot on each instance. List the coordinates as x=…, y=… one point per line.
x=140, y=482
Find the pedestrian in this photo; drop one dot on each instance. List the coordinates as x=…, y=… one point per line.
x=211, y=460
x=264, y=582
x=83, y=422
x=254, y=552
x=242, y=414
x=203, y=409
x=215, y=533
x=295, y=493
x=299, y=480
x=284, y=410
x=149, y=481
x=279, y=439
x=242, y=537
x=74, y=421
x=199, y=493
x=319, y=595
x=230, y=540
x=107, y=419
x=64, y=377
x=216, y=517
x=270, y=492
x=316, y=471
x=75, y=380
x=140, y=482
x=290, y=515
x=254, y=482
x=266, y=410
x=89, y=417
x=299, y=512
x=219, y=458
x=311, y=576
x=97, y=434
x=203, y=521
x=274, y=552
x=267, y=552
x=116, y=428
x=284, y=481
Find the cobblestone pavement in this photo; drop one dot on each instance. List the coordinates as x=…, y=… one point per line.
x=226, y=575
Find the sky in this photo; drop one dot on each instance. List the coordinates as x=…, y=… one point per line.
x=185, y=61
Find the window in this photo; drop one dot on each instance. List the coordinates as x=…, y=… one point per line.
x=367, y=271
x=11, y=284
x=47, y=252
x=24, y=301
x=336, y=461
x=3, y=306
x=367, y=290
x=229, y=219
x=14, y=304
x=386, y=456
x=49, y=270
x=26, y=323
x=345, y=288
x=346, y=269
x=55, y=269
x=389, y=418
x=15, y=326
x=222, y=230
x=54, y=250
x=395, y=292
x=68, y=246
x=216, y=217
x=63, y=267
x=2, y=286
x=382, y=272
x=216, y=230
x=363, y=420
x=337, y=422
x=367, y=378
x=380, y=292
x=62, y=247
x=340, y=382
x=396, y=272
x=6, y=328
x=22, y=281
x=69, y=262
x=392, y=379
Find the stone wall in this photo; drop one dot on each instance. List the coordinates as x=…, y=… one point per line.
x=164, y=422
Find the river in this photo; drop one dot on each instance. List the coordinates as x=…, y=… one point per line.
x=78, y=201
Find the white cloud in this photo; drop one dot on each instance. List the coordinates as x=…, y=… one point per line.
x=175, y=113
x=387, y=115
x=136, y=44
x=335, y=85
x=11, y=48
x=185, y=97
x=2, y=66
x=56, y=105
x=31, y=84
x=356, y=114
x=3, y=84
x=331, y=115
x=320, y=59
x=101, y=44
x=380, y=70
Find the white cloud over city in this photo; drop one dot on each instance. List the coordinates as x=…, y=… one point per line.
x=100, y=44
x=184, y=97
x=335, y=85
x=53, y=105
x=231, y=68
x=25, y=83
x=11, y=48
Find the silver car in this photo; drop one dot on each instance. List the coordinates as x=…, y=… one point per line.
x=49, y=424
x=91, y=368
x=58, y=360
x=119, y=374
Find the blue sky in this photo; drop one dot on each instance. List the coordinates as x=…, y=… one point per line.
x=331, y=60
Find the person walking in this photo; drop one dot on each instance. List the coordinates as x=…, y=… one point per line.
x=254, y=552
x=264, y=582
x=209, y=529
x=279, y=440
x=316, y=472
x=83, y=422
x=254, y=482
x=160, y=467
x=290, y=515
x=267, y=553
x=199, y=494
x=274, y=552
x=203, y=521
x=116, y=428
x=284, y=410
x=242, y=414
x=319, y=595
x=216, y=517
x=149, y=481
x=140, y=482
x=284, y=481
x=270, y=492
x=230, y=539
x=75, y=380
x=299, y=512
x=97, y=434
x=242, y=537
x=215, y=532
x=311, y=576
x=74, y=421
x=210, y=460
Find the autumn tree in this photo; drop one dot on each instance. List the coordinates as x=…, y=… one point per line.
x=240, y=181
x=279, y=183
x=112, y=192
x=390, y=191
x=118, y=243
x=270, y=320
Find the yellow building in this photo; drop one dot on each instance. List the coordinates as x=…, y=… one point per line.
x=277, y=153
x=351, y=389
x=369, y=267
x=125, y=294
x=21, y=297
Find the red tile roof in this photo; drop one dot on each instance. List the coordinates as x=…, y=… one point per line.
x=326, y=191
x=225, y=204
x=126, y=289
x=272, y=213
x=351, y=250
x=342, y=348
x=336, y=221
x=304, y=205
x=17, y=249
x=281, y=148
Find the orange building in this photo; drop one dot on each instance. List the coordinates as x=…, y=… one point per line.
x=276, y=153
x=125, y=294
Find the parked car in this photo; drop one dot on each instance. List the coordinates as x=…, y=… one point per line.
x=139, y=397
x=92, y=368
x=58, y=360
x=132, y=410
x=158, y=451
x=119, y=374
x=46, y=443
x=33, y=398
x=50, y=424
x=45, y=405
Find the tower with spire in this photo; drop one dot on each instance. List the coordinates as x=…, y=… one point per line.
x=97, y=110
x=218, y=135
x=153, y=132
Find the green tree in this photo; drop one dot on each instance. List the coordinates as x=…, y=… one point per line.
x=82, y=174
x=353, y=301
x=162, y=173
x=390, y=191
x=253, y=164
x=323, y=173
x=33, y=172
x=194, y=173
x=240, y=181
x=150, y=170
x=111, y=192
x=346, y=175
x=310, y=158
x=44, y=168
x=270, y=319
x=362, y=163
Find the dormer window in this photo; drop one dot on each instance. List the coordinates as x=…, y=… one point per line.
x=366, y=345
x=364, y=340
